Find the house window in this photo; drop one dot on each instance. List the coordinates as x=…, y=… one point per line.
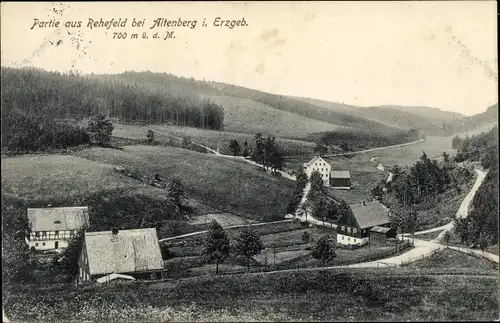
x=56, y=233
x=348, y=230
x=36, y=244
x=348, y=239
x=354, y=230
x=342, y=228
x=44, y=234
x=37, y=234
x=342, y=237
x=43, y=243
x=354, y=240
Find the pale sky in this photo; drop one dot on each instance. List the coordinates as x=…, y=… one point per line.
x=438, y=54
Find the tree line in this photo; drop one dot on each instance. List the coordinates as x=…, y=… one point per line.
x=412, y=187
x=55, y=96
x=22, y=132
x=266, y=152
x=479, y=147
x=345, y=141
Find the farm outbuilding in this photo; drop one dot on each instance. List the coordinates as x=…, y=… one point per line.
x=379, y=235
x=340, y=179
x=134, y=253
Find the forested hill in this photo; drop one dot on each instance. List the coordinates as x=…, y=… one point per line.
x=185, y=86
x=60, y=96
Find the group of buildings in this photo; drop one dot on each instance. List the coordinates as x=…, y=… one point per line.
x=136, y=253
x=368, y=222
x=105, y=255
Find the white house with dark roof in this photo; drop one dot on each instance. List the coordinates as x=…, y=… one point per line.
x=355, y=227
x=321, y=166
x=108, y=254
x=340, y=179
x=52, y=228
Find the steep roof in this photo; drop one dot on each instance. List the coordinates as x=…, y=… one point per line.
x=370, y=214
x=340, y=174
x=58, y=218
x=127, y=251
x=315, y=159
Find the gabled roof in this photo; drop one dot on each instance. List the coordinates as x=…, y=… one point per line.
x=127, y=251
x=370, y=214
x=315, y=159
x=58, y=218
x=340, y=174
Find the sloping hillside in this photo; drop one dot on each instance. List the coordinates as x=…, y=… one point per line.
x=485, y=120
x=249, y=116
x=253, y=100
x=432, y=121
x=230, y=183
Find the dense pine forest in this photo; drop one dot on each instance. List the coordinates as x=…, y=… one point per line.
x=70, y=96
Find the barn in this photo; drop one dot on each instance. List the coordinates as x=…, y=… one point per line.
x=340, y=179
x=114, y=254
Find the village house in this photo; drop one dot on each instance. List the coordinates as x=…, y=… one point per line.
x=124, y=254
x=368, y=222
x=52, y=228
x=334, y=179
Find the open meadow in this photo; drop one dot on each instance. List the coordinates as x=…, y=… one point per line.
x=216, y=140
x=229, y=183
x=343, y=294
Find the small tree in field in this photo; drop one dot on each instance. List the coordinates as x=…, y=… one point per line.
x=234, y=146
x=484, y=241
x=246, y=151
x=447, y=237
x=306, y=237
x=216, y=245
x=150, y=136
x=324, y=249
x=316, y=182
x=248, y=244
x=100, y=129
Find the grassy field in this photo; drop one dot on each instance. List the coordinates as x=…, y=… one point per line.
x=53, y=177
x=231, y=183
x=449, y=258
x=408, y=155
x=248, y=116
x=375, y=295
x=212, y=139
